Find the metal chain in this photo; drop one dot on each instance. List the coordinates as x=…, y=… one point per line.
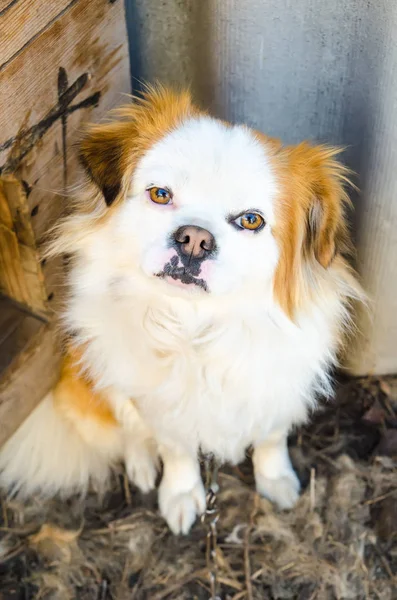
x=210, y=519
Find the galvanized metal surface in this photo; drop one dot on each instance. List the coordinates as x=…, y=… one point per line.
x=299, y=69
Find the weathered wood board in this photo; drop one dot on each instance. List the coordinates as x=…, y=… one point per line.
x=62, y=63
x=21, y=276
x=29, y=376
x=17, y=327
x=74, y=71
x=23, y=20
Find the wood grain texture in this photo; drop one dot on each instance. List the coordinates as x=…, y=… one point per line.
x=6, y=5
x=62, y=64
x=21, y=277
x=24, y=20
x=12, y=281
x=5, y=212
x=19, y=209
x=75, y=71
x=16, y=329
x=27, y=379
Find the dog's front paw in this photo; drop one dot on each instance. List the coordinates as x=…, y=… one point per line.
x=142, y=463
x=179, y=507
x=283, y=491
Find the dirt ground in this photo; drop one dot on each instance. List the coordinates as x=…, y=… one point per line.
x=339, y=543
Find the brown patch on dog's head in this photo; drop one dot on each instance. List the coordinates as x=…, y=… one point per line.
x=311, y=227
x=110, y=151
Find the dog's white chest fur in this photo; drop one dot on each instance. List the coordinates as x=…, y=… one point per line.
x=215, y=382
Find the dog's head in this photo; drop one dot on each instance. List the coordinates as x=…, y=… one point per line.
x=199, y=207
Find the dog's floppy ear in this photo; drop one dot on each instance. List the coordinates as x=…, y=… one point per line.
x=110, y=151
x=326, y=202
x=311, y=226
x=103, y=153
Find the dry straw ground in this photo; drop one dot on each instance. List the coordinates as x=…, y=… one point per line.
x=339, y=543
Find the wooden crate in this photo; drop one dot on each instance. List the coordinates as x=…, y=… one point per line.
x=62, y=63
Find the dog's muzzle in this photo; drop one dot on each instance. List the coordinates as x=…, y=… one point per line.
x=193, y=246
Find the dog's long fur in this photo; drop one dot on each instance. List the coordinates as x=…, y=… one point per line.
x=153, y=369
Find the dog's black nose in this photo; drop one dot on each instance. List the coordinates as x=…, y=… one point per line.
x=194, y=241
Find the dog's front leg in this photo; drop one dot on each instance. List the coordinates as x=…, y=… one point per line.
x=181, y=492
x=140, y=449
x=274, y=475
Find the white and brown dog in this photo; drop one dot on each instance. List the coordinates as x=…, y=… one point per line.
x=208, y=300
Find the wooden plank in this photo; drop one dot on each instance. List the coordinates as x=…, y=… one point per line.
x=10, y=316
x=76, y=70
x=5, y=5
x=12, y=280
x=16, y=330
x=34, y=278
x=21, y=277
x=24, y=20
x=19, y=210
x=27, y=379
x=72, y=73
x=5, y=213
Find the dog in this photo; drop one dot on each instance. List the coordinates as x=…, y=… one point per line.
x=209, y=298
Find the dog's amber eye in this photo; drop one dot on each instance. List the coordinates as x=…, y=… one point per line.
x=160, y=195
x=250, y=220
